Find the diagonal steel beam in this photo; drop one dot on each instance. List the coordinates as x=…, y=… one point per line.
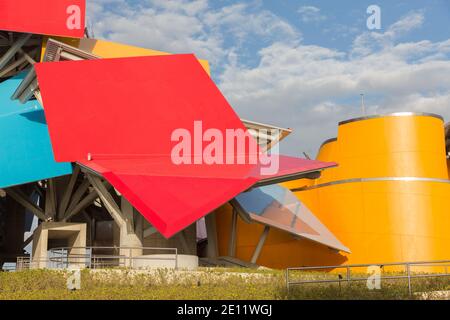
x=127, y=210
x=76, y=197
x=83, y=204
x=12, y=66
x=260, y=244
x=26, y=83
x=50, y=199
x=16, y=46
x=28, y=241
x=29, y=92
x=22, y=199
x=233, y=234
x=107, y=199
x=28, y=56
x=68, y=192
x=149, y=231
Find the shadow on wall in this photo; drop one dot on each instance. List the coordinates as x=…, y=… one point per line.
x=35, y=116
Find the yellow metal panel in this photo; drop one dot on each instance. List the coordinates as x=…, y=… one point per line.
x=390, y=216
x=380, y=221
x=385, y=219
x=108, y=49
x=392, y=146
x=329, y=152
x=448, y=168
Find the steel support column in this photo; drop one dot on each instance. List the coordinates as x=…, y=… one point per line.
x=260, y=244
x=233, y=233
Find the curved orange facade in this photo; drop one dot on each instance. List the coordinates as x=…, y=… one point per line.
x=388, y=200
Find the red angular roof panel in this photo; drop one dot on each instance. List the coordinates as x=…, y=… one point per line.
x=51, y=17
x=117, y=117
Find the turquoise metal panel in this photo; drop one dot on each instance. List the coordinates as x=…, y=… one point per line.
x=26, y=153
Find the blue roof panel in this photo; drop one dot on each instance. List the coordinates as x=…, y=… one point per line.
x=26, y=153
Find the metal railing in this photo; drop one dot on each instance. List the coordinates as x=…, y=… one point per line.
x=99, y=257
x=7, y=268
x=22, y=263
x=404, y=268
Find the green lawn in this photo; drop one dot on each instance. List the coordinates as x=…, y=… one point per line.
x=215, y=283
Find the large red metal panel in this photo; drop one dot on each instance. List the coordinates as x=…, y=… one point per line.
x=117, y=116
x=50, y=17
x=128, y=106
x=172, y=198
x=169, y=202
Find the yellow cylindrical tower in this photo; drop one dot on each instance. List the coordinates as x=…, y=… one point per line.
x=397, y=145
x=388, y=200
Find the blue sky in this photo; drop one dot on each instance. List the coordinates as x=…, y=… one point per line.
x=300, y=64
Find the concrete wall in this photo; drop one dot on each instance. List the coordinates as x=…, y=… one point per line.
x=74, y=235
x=190, y=233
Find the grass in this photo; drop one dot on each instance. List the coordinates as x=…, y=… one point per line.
x=390, y=290
x=211, y=283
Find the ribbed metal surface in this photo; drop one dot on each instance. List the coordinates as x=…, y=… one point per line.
x=55, y=49
x=51, y=51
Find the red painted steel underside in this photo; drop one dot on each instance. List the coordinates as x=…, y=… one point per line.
x=50, y=17
x=122, y=113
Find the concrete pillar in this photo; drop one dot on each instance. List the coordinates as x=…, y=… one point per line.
x=73, y=233
x=39, y=252
x=211, y=231
x=77, y=241
x=131, y=232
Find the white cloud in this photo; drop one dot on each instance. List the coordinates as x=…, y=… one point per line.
x=306, y=87
x=173, y=26
x=310, y=14
x=239, y=21
x=437, y=103
x=368, y=42
x=181, y=26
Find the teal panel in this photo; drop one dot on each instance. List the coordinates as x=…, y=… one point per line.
x=26, y=154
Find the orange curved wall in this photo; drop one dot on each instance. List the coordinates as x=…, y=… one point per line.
x=327, y=152
x=392, y=146
x=448, y=167
x=386, y=221
x=382, y=220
